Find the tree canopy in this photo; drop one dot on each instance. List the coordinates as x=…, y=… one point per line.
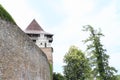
x=98, y=58
x=76, y=67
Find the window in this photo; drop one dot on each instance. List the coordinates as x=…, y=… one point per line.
x=34, y=40
x=40, y=43
x=45, y=44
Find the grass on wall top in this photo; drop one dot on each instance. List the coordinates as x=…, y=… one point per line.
x=5, y=15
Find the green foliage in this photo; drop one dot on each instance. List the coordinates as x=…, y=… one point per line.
x=77, y=66
x=98, y=59
x=51, y=71
x=5, y=15
x=58, y=76
x=118, y=77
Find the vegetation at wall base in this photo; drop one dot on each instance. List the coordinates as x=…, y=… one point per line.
x=51, y=70
x=5, y=15
x=58, y=76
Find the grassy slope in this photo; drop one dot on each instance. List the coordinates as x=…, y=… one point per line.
x=5, y=15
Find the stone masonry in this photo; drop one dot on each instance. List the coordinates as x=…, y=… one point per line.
x=20, y=58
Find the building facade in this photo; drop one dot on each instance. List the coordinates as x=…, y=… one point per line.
x=41, y=38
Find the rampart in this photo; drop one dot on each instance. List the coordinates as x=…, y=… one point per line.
x=20, y=58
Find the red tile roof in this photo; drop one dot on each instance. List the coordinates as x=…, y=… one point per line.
x=34, y=26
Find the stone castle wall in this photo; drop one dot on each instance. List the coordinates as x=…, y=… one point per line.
x=48, y=51
x=20, y=58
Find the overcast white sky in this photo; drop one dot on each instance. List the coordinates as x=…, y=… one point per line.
x=65, y=18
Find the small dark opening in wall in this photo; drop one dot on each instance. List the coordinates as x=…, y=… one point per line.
x=45, y=44
x=34, y=40
x=40, y=43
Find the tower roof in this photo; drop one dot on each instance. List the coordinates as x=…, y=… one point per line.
x=34, y=26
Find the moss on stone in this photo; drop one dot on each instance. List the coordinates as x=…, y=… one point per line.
x=5, y=15
x=51, y=71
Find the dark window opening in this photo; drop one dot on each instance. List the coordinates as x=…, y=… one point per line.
x=34, y=35
x=40, y=43
x=45, y=44
x=34, y=40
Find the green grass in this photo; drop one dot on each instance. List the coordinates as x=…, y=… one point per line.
x=5, y=15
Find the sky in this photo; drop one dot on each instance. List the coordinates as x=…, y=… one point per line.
x=65, y=19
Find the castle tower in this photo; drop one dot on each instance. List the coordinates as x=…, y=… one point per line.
x=41, y=38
